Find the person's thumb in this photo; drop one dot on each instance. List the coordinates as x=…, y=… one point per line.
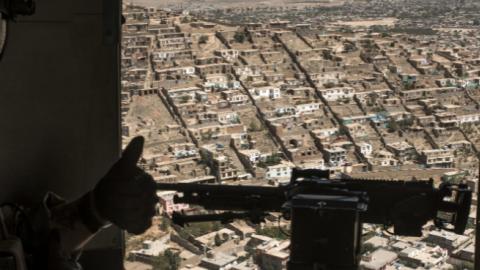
x=133, y=152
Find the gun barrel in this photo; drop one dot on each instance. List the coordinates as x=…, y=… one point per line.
x=228, y=197
x=260, y=190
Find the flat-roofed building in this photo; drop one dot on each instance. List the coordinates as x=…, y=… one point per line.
x=442, y=158
x=377, y=260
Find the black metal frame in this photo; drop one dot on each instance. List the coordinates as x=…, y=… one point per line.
x=327, y=215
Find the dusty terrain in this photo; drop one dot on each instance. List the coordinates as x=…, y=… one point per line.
x=368, y=23
x=191, y=4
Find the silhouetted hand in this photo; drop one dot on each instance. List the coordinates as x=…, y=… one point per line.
x=126, y=196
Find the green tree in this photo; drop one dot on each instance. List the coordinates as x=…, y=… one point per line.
x=408, y=85
x=218, y=240
x=392, y=125
x=199, y=228
x=464, y=266
x=342, y=131
x=271, y=160
x=165, y=224
x=160, y=263
x=372, y=99
x=184, y=99
x=405, y=123
x=239, y=37
x=274, y=159
x=173, y=259
x=203, y=39
x=273, y=232
x=253, y=127
x=367, y=248
x=207, y=135
x=169, y=260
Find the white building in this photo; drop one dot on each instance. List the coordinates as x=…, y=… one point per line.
x=218, y=261
x=235, y=97
x=253, y=155
x=177, y=70
x=437, y=158
x=307, y=108
x=167, y=204
x=336, y=156
x=270, y=92
x=228, y=117
x=183, y=150
x=366, y=149
x=468, y=118
x=228, y=54
x=423, y=256
x=280, y=172
x=325, y=132
x=446, y=239
x=220, y=81
x=334, y=94
x=377, y=260
x=285, y=110
x=150, y=249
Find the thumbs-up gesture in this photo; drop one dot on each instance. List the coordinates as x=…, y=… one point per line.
x=126, y=195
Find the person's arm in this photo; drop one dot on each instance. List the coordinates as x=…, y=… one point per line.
x=125, y=196
x=76, y=223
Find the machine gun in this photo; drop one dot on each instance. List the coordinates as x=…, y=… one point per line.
x=327, y=215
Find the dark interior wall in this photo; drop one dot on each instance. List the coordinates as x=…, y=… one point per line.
x=59, y=106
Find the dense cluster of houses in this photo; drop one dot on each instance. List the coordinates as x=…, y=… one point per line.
x=246, y=103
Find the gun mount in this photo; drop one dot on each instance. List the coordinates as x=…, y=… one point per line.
x=327, y=215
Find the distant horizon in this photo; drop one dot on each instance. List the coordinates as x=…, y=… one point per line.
x=225, y=3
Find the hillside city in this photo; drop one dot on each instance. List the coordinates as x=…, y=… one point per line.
x=241, y=95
